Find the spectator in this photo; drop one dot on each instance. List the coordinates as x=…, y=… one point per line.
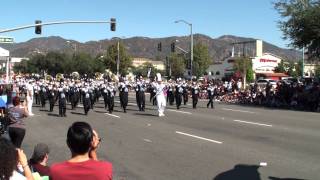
x=83, y=143
x=17, y=129
x=39, y=159
x=9, y=159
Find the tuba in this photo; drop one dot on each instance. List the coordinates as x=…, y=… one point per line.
x=48, y=77
x=59, y=77
x=75, y=75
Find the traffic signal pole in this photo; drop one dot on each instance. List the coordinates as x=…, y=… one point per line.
x=54, y=23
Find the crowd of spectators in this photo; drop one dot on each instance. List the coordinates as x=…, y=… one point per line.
x=283, y=94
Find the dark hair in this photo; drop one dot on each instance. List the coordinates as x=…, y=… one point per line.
x=8, y=159
x=79, y=137
x=16, y=101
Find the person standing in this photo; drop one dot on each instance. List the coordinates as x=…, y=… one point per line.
x=195, y=94
x=51, y=96
x=160, y=95
x=110, y=97
x=179, y=92
x=140, y=88
x=62, y=101
x=43, y=95
x=86, y=99
x=123, y=88
x=211, y=91
x=185, y=92
x=30, y=94
x=170, y=97
x=17, y=127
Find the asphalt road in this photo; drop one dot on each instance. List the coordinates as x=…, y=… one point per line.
x=228, y=142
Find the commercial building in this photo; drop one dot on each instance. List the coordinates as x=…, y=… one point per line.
x=136, y=62
x=263, y=64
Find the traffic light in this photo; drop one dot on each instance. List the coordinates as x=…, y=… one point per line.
x=159, y=47
x=38, y=27
x=113, y=24
x=173, y=47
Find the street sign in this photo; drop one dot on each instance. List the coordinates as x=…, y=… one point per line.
x=6, y=40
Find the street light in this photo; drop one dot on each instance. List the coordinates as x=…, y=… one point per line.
x=191, y=43
x=73, y=45
x=118, y=57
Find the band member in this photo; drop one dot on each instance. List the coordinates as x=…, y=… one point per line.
x=211, y=91
x=74, y=96
x=86, y=99
x=62, y=101
x=104, y=92
x=170, y=96
x=195, y=94
x=140, y=95
x=160, y=95
x=51, y=96
x=123, y=93
x=43, y=95
x=111, y=90
x=185, y=93
x=179, y=92
x=30, y=97
x=37, y=93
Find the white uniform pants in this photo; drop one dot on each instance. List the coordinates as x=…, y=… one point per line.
x=161, y=102
x=29, y=104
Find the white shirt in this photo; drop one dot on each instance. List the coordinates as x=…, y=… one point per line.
x=17, y=176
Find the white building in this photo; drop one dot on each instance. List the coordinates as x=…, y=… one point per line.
x=262, y=63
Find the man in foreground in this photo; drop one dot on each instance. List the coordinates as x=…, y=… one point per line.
x=83, y=143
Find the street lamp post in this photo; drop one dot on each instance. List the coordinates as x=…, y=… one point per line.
x=118, y=58
x=191, y=44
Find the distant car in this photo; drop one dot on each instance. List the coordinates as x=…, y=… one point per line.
x=263, y=83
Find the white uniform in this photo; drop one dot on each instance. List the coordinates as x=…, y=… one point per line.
x=161, y=100
x=29, y=98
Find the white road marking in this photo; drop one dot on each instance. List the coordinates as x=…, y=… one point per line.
x=248, y=122
x=263, y=164
x=183, y=112
x=112, y=115
x=236, y=110
x=198, y=137
x=148, y=124
x=147, y=140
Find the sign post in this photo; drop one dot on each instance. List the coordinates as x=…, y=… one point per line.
x=6, y=40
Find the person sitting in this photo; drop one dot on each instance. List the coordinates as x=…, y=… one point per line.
x=39, y=159
x=10, y=157
x=83, y=143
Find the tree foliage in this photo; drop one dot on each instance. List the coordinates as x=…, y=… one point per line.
x=143, y=70
x=301, y=24
x=178, y=65
x=110, y=59
x=280, y=68
x=244, y=63
x=201, y=59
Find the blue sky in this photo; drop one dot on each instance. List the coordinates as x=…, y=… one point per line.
x=247, y=18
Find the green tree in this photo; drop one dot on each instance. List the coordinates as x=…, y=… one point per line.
x=201, y=59
x=246, y=63
x=280, y=68
x=177, y=64
x=110, y=59
x=301, y=24
x=292, y=70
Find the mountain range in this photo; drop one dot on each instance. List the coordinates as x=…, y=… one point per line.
x=144, y=47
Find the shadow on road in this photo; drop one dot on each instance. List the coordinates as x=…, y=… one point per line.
x=77, y=113
x=275, y=178
x=51, y=114
x=240, y=172
x=45, y=110
x=145, y=114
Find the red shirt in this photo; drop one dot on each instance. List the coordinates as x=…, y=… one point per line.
x=91, y=169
